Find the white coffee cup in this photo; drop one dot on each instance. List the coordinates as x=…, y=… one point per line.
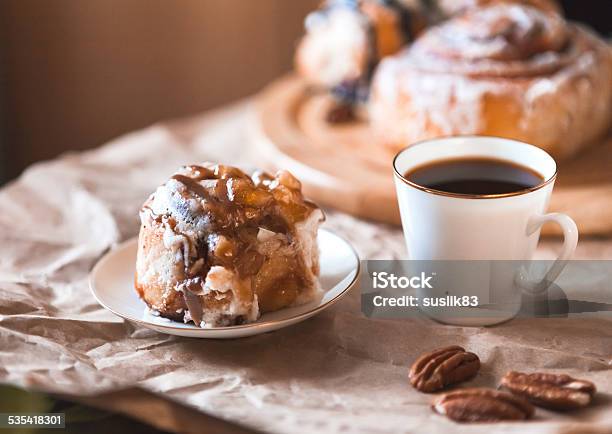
x=446, y=226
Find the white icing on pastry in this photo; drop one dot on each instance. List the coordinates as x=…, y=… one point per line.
x=549, y=78
x=336, y=46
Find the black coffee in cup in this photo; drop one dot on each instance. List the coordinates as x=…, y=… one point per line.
x=474, y=176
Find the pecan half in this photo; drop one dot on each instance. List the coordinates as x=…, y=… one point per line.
x=482, y=405
x=553, y=391
x=442, y=367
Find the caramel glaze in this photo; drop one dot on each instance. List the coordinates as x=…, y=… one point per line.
x=234, y=207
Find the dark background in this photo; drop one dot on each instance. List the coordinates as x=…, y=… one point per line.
x=597, y=13
x=77, y=73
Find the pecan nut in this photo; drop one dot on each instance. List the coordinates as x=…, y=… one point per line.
x=553, y=391
x=482, y=405
x=442, y=367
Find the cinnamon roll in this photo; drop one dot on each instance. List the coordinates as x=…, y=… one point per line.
x=345, y=39
x=218, y=247
x=505, y=70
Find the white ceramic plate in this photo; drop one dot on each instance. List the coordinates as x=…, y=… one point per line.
x=112, y=283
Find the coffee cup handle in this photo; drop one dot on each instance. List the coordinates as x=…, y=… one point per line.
x=570, y=240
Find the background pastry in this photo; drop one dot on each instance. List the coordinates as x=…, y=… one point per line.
x=449, y=8
x=345, y=39
x=219, y=248
x=506, y=70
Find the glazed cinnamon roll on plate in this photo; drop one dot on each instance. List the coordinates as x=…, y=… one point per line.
x=505, y=70
x=222, y=250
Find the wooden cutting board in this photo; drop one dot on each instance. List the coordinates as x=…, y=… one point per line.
x=343, y=166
